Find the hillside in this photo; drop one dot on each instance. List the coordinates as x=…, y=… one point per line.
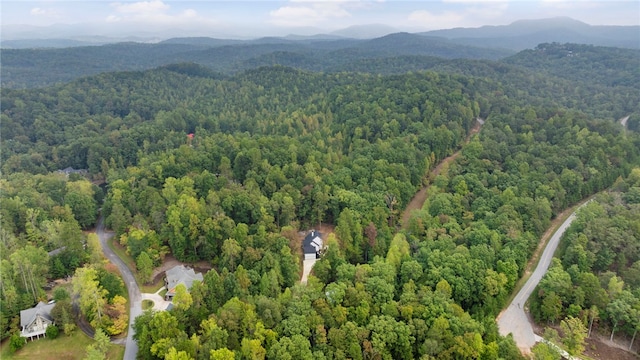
x=219, y=154
x=39, y=67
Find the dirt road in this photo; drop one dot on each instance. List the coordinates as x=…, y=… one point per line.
x=421, y=196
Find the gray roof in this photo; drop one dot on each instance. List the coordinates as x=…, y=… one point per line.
x=312, y=243
x=29, y=315
x=56, y=251
x=181, y=275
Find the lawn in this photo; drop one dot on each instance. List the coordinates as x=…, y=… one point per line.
x=63, y=348
x=147, y=304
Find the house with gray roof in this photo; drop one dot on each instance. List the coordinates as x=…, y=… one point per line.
x=34, y=321
x=179, y=275
x=312, y=245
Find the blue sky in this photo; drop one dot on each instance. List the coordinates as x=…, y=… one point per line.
x=262, y=18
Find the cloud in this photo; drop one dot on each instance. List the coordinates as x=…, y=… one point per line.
x=571, y=4
x=141, y=7
x=314, y=12
x=446, y=19
x=155, y=13
x=466, y=13
x=473, y=1
x=37, y=11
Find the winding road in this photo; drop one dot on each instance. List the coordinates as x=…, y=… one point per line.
x=135, y=298
x=514, y=319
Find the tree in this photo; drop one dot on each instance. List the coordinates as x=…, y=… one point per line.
x=98, y=350
x=31, y=264
x=634, y=320
x=544, y=351
x=295, y=347
x=182, y=299
x=349, y=231
x=551, y=307
x=174, y=354
x=213, y=337
x=95, y=251
x=398, y=250
x=252, y=350
x=231, y=252
x=372, y=233
x=593, y=315
x=222, y=354
x=574, y=334
x=93, y=354
x=118, y=314
x=102, y=341
x=145, y=266
x=51, y=332
x=618, y=311
x=17, y=342
x=80, y=197
x=92, y=296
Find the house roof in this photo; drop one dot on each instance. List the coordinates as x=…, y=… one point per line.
x=312, y=243
x=309, y=249
x=28, y=316
x=181, y=275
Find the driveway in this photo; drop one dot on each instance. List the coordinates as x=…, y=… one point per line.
x=307, y=265
x=514, y=319
x=135, y=298
x=159, y=303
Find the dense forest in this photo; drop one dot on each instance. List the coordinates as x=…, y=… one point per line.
x=229, y=169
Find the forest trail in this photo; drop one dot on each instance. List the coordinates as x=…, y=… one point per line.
x=421, y=196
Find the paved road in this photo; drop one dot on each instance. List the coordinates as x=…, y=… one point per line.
x=135, y=298
x=514, y=320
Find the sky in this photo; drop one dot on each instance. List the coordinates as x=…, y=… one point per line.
x=305, y=17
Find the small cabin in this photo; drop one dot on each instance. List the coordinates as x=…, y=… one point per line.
x=312, y=245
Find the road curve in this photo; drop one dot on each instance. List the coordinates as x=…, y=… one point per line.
x=514, y=320
x=135, y=298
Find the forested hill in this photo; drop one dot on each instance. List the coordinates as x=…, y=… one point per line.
x=600, y=65
x=41, y=67
x=229, y=168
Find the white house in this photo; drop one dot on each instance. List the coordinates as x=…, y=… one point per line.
x=312, y=245
x=34, y=321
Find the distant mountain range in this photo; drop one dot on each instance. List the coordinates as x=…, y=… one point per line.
x=526, y=34
x=43, y=63
x=519, y=35
x=40, y=67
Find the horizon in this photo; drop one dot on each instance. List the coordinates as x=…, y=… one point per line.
x=157, y=19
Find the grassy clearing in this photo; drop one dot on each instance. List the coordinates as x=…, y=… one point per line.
x=151, y=288
x=147, y=304
x=63, y=348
